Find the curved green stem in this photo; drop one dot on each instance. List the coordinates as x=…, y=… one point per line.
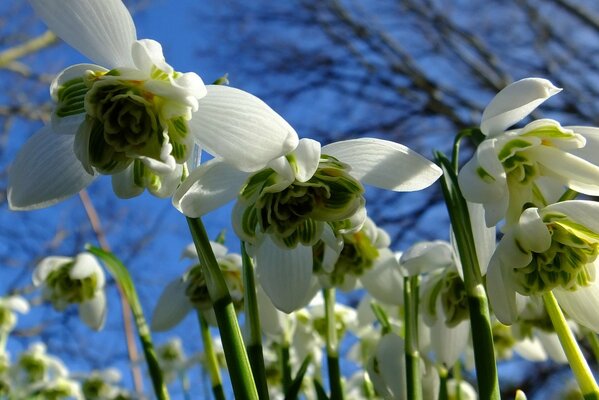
x=578, y=363
x=238, y=363
x=122, y=277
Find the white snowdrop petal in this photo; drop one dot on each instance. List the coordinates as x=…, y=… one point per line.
x=385, y=164
x=103, y=30
x=45, y=172
x=173, y=305
x=93, y=312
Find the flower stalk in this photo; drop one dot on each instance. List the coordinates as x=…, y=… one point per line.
x=332, y=345
x=252, y=315
x=211, y=361
x=579, y=365
x=414, y=387
x=238, y=363
x=480, y=320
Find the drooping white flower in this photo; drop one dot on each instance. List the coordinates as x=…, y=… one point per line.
x=362, y=252
x=190, y=291
x=504, y=173
x=103, y=385
x=307, y=196
x=133, y=116
x=79, y=280
x=8, y=306
x=35, y=365
x=555, y=249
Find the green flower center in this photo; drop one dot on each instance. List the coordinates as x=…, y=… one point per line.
x=453, y=299
x=65, y=290
x=197, y=289
x=358, y=255
x=94, y=387
x=295, y=214
x=33, y=366
x=565, y=264
x=517, y=166
x=125, y=121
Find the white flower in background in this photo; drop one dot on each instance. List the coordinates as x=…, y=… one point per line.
x=387, y=369
x=443, y=300
x=555, y=249
x=133, y=116
x=191, y=292
x=172, y=358
x=310, y=194
x=8, y=306
x=79, y=280
x=56, y=389
x=35, y=365
x=504, y=173
x=460, y=390
x=102, y=385
x=361, y=252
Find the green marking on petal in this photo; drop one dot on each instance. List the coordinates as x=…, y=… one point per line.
x=484, y=175
x=71, y=97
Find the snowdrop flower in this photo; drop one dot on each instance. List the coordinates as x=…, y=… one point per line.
x=387, y=369
x=550, y=249
x=361, y=251
x=102, y=385
x=8, y=306
x=56, y=389
x=172, y=359
x=311, y=194
x=78, y=280
x=503, y=174
x=35, y=365
x=190, y=291
x=133, y=116
x=443, y=303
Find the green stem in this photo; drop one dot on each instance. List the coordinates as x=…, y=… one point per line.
x=579, y=365
x=443, y=375
x=238, y=363
x=122, y=277
x=480, y=319
x=414, y=387
x=285, y=366
x=457, y=377
x=594, y=342
x=252, y=315
x=332, y=344
x=211, y=360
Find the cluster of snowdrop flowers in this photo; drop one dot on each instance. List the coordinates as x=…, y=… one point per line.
x=513, y=169
x=311, y=194
x=134, y=118
x=79, y=280
x=190, y=291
